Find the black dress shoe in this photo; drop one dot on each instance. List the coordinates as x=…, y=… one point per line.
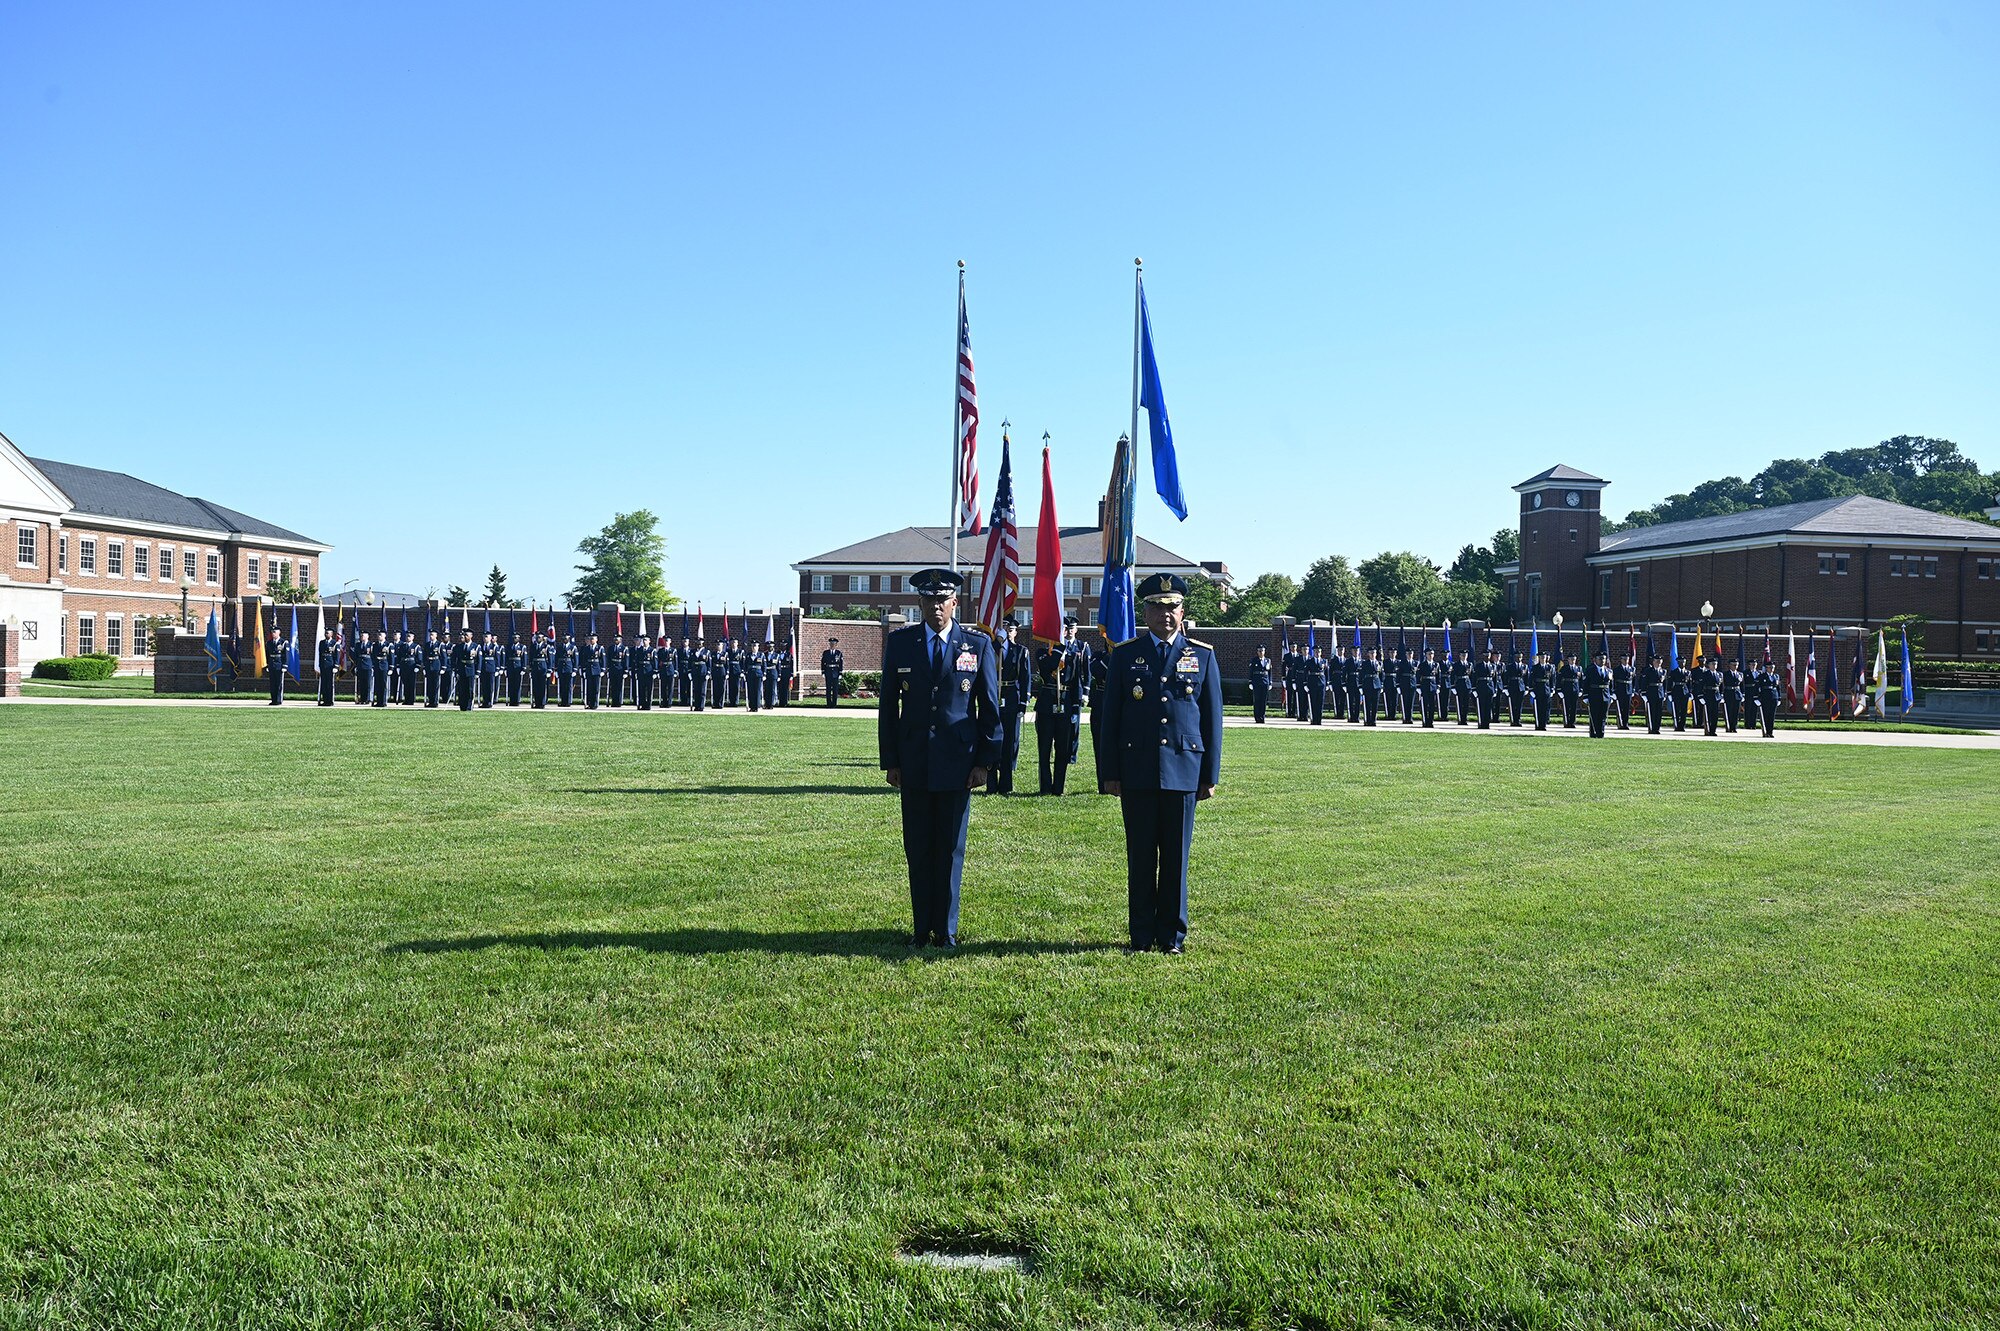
x=919, y=939
x=1171, y=949
x=946, y=941
x=1136, y=946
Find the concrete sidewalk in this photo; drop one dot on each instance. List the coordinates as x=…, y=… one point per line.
x=1877, y=738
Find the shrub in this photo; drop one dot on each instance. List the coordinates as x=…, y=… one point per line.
x=94, y=666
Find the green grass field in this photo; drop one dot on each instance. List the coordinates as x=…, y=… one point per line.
x=559, y=1020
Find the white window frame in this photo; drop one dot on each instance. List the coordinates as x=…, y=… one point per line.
x=142, y=636
x=142, y=561
x=114, y=634
x=251, y=571
x=1631, y=588
x=1604, y=585
x=86, y=634
x=1027, y=584
x=86, y=558
x=822, y=582
x=1930, y=566
x=1073, y=586
x=214, y=569
x=62, y=553
x=1840, y=558
x=188, y=558
x=305, y=572
x=167, y=564
x=28, y=546
x=1825, y=563
x=857, y=584
x=114, y=559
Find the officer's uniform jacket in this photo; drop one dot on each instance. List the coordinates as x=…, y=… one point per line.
x=937, y=728
x=1163, y=726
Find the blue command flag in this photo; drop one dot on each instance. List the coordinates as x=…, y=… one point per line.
x=1534, y=642
x=1166, y=469
x=1909, y=676
x=212, y=647
x=292, y=646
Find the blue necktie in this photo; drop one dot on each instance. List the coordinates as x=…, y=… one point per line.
x=937, y=658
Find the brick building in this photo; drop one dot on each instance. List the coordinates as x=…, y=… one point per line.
x=88, y=557
x=875, y=574
x=1851, y=560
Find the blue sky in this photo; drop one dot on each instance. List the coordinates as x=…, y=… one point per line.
x=448, y=285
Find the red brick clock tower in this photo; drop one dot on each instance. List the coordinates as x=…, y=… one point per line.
x=1561, y=524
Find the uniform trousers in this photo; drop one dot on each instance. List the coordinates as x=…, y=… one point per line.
x=489, y=687
x=1541, y=701
x=1052, y=729
x=1597, y=704
x=1159, y=829
x=593, y=689
x=466, y=689
x=1260, y=698
x=364, y=685
x=1000, y=781
x=326, y=688
x=643, y=694
x=1429, y=695
x=934, y=824
x=833, y=689
x=1514, y=706
x=1623, y=699
x=1374, y=704
x=1732, y=710
x=1655, y=704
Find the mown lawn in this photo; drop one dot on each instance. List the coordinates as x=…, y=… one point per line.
x=550, y=1020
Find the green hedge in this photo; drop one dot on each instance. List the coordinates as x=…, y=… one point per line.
x=94, y=666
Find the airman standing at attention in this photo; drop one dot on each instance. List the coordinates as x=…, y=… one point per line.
x=938, y=732
x=1260, y=682
x=831, y=666
x=465, y=670
x=326, y=664
x=1016, y=687
x=1163, y=718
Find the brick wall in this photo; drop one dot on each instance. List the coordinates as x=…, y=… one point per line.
x=10, y=664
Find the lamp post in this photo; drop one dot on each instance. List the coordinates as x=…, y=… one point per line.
x=186, y=584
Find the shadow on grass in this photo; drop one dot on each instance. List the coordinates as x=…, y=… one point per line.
x=888, y=943
x=801, y=789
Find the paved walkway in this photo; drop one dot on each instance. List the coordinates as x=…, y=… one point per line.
x=1888, y=739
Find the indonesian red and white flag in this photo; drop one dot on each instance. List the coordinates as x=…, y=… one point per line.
x=1812, y=676
x=1791, y=670
x=1000, y=576
x=1046, y=618
x=968, y=424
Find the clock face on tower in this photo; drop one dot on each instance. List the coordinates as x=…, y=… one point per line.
x=1572, y=499
x=1538, y=499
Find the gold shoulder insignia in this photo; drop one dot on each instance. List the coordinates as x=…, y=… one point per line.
x=1199, y=643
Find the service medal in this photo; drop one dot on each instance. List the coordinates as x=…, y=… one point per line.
x=1139, y=692
x=965, y=686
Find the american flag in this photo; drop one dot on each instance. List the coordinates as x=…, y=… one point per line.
x=968, y=424
x=1000, y=579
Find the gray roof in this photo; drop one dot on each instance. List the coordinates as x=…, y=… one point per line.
x=390, y=600
x=113, y=494
x=1560, y=473
x=922, y=546
x=1845, y=515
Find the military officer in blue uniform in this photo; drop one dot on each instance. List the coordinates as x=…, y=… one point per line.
x=1371, y=687
x=385, y=663
x=517, y=668
x=1406, y=686
x=326, y=664
x=617, y=664
x=831, y=664
x=753, y=677
x=566, y=652
x=1016, y=688
x=1732, y=696
x=1677, y=693
x=489, y=671
x=465, y=669
x=1460, y=679
x=1568, y=687
x=1514, y=682
x=938, y=732
x=1767, y=697
x=1427, y=686
x=590, y=660
x=1652, y=687
x=668, y=663
x=1058, y=711
x=1622, y=677
x=1163, y=721
x=434, y=662
x=1312, y=688
x=541, y=664
x=1484, y=687
x=642, y=664
x=1597, y=695
x=1541, y=687
x=698, y=663
x=1260, y=682
x=364, y=670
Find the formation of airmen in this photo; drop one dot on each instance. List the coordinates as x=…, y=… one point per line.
x=546, y=669
x=1416, y=688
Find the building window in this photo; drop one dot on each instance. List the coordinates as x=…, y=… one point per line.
x=1825, y=562
x=1534, y=596
x=1604, y=590
x=305, y=573
x=1572, y=533
x=1986, y=640
x=857, y=582
x=1074, y=587
x=822, y=582
x=166, y=563
x=1840, y=565
x=187, y=564
x=114, y=635
x=1986, y=568
x=142, y=561
x=1513, y=596
x=114, y=559
x=894, y=583
x=214, y=567
x=281, y=571
x=255, y=568
x=1930, y=566
x=1631, y=588
x=142, y=639
x=86, y=556
x=86, y=634
x=62, y=554
x=1895, y=566
x=25, y=551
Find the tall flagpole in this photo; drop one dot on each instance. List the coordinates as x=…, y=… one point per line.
x=957, y=407
x=1138, y=296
